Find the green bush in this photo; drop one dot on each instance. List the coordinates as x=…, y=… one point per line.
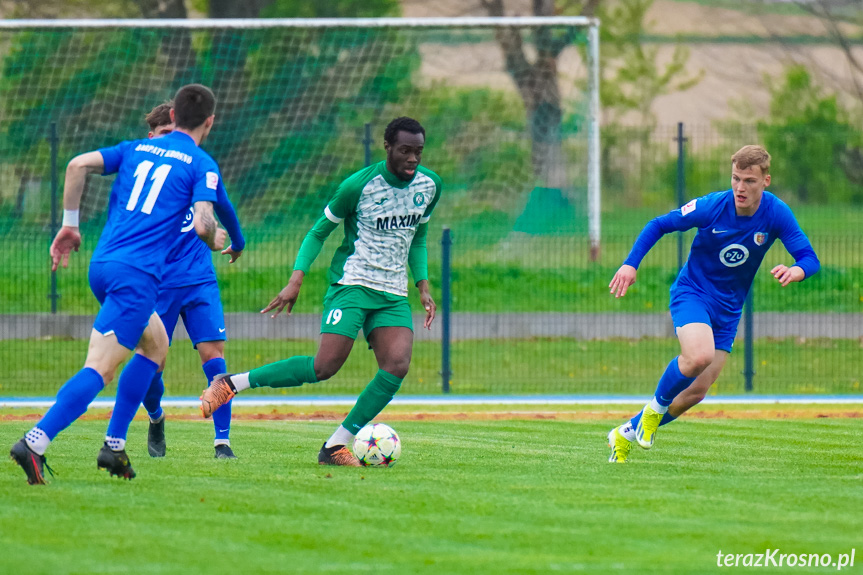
x=809, y=136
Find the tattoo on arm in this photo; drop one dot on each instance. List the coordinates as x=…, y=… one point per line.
x=205, y=222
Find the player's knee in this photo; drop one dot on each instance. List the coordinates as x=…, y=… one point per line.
x=398, y=368
x=104, y=369
x=156, y=349
x=210, y=351
x=160, y=346
x=705, y=359
x=694, y=363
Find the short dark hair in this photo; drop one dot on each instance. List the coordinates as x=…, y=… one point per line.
x=402, y=124
x=193, y=104
x=160, y=115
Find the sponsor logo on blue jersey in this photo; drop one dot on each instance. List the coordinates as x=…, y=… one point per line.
x=734, y=255
x=188, y=221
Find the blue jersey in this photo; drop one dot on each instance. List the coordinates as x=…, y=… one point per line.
x=157, y=181
x=728, y=249
x=190, y=261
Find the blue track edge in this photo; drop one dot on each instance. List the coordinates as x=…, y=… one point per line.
x=263, y=400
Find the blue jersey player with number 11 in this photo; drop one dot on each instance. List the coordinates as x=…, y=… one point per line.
x=156, y=183
x=735, y=229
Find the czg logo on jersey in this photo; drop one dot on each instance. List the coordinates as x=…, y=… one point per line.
x=419, y=199
x=733, y=255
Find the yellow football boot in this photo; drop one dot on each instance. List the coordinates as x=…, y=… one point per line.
x=645, y=431
x=620, y=446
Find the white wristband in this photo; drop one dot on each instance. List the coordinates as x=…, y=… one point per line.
x=70, y=218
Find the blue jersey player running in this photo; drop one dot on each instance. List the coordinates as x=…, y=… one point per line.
x=155, y=185
x=189, y=289
x=735, y=229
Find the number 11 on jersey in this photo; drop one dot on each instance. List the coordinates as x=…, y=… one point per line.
x=141, y=173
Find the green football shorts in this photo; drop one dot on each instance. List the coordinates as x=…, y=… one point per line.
x=349, y=308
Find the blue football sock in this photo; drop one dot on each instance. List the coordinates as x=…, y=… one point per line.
x=153, y=399
x=222, y=416
x=671, y=383
x=131, y=388
x=72, y=401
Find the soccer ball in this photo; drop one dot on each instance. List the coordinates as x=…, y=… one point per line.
x=377, y=445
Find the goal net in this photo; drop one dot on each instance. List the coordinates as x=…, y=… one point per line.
x=509, y=105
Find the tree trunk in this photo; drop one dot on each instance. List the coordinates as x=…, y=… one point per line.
x=162, y=8
x=176, y=43
x=538, y=86
x=234, y=9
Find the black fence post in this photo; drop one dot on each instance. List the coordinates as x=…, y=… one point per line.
x=55, y=224
x=681, y=186
x=367, y=144
x=446, y=278
x=748, y=351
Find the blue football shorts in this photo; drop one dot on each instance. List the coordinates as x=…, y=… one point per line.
x=200, y=306
x=128, y=298
x=688, y=306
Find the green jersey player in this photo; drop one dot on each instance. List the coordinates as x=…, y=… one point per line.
x=385, y=209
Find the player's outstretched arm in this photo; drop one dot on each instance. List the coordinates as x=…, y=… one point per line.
x=309, y=250
x=68, y=239
x=228, y=217
x=76, y=177
x=428, y=302
x=207, y=228
x=621, y=281
x=288, y=296
x=686, y=217
x=418, y=262
x=785, y=275
x=234, y=253
x=806, y=262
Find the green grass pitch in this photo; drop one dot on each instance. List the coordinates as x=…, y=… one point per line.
x=479, y=495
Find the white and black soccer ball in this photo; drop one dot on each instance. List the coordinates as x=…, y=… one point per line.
x=377, y=445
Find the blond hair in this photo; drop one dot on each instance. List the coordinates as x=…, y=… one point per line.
x=752, y=156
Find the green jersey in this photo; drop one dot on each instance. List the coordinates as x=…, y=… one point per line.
x=382, y=216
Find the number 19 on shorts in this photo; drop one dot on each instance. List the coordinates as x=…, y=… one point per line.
x=334, y=317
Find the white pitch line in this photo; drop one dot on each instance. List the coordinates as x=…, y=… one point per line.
x=469, y=400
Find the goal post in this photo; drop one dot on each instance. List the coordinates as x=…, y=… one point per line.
x=511, y=106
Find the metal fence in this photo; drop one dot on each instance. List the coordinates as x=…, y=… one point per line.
x=530, y=309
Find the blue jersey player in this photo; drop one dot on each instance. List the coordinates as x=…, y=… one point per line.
x=156, y=183
x=735, y=229
x=189, y=289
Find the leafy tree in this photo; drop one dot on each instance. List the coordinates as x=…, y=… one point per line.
x=538, y=85
x=631, y=76
x=810, y=137
x=284, y=95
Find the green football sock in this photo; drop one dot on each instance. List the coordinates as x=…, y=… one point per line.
x=291, y=372
x=374, y=398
